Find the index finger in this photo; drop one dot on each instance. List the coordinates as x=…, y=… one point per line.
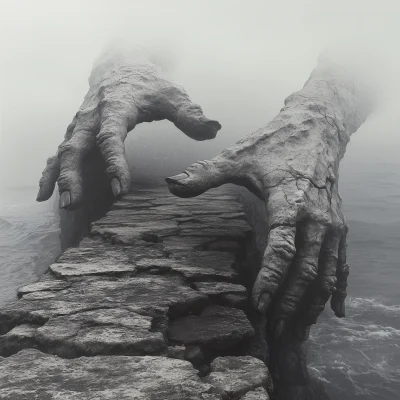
x=280, y=250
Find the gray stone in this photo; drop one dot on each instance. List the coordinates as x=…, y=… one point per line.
x=45, y=285
x=21, y=337
x=146, y=295
x=216, y=328
x=94, y=252
x=196, y=266
x=66, y=270
x=236, y=376
x=31, y=374
x=103, y=331
x=194, y=354
x=217, y=288
x=258, y=394
x=151, y=231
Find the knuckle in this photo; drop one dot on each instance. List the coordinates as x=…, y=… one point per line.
x=308, y=271
x=68, y=147
x=105, y=135
x=269, y=278
x=288, y=303
x=51, y=161
x=281, y=242
x=68, y=176
x=328, y=284
x=283, y=250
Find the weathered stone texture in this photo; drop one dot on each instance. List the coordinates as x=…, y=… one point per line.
x=155, y=283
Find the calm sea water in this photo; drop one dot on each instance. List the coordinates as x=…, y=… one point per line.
x=28, y=239
x=358, y=357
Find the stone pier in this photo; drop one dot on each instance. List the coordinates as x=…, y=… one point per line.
x=152, y=304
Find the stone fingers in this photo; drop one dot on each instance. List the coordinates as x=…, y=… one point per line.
x=303, y=273
x=72, y=154
x=280, y=250
x=104, y=126
x=65, y=168
x=342, y=272
x=188, y=116
x=323, y=287
x=49, y=178
x=277, y=259
x=204, y=175
x=116, y=119
x=52, y=170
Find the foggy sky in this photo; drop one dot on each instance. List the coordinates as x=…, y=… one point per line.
x=237, y=59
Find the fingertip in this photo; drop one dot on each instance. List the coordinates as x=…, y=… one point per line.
x=116, y=187
x=44, y=193
x=263, y=303
x=339, y=308
x=39, y=196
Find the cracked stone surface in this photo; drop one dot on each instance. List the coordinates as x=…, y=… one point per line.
x=33, y=375
x=149, y=307
x=236, y=376
x=216, y=328
x=258, y=394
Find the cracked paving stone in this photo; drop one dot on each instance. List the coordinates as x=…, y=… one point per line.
x=105, y=331
x=31, y=374
x=147, y=295
x=197, y=266
x=216, y=328
x=236, y=376
x=152, y=231
x=258, y=394
x=45, y=285
x=64, y=270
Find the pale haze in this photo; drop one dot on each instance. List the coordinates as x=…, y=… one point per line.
x=237, y=59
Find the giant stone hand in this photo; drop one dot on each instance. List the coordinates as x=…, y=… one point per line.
x=292, y=165
x=125, y=90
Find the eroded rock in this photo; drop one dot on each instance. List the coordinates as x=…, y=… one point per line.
x=133, y=289
x=236, y=376
x=31, y=374
x=216, y=328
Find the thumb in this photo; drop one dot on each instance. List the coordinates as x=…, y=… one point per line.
x=197, y=179
x=204, y=175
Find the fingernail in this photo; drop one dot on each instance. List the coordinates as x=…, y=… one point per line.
x=116, y=187
x=39, y=195
x=65, y=199
x=176, y=178
x=279, y=328
x=211, y=123
x=263, y=302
